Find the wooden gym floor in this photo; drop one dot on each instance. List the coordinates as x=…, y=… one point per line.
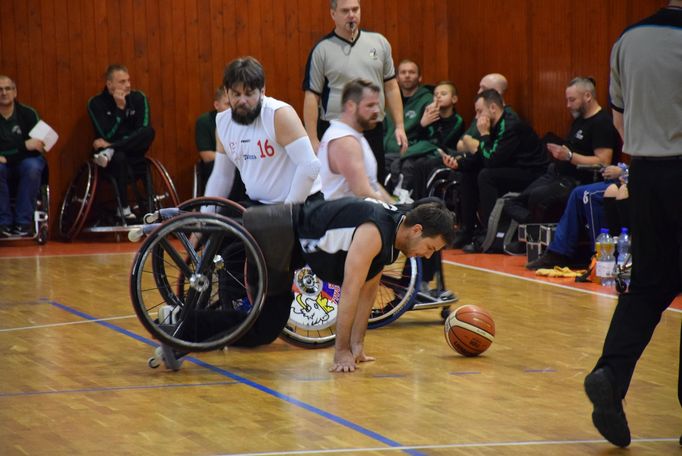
x=74, y=378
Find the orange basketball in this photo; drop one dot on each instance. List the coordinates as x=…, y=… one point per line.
x=469, y=330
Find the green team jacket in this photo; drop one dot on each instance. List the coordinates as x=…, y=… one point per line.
x=413, y=110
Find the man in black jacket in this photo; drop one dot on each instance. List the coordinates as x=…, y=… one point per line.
x=123, y=129
x=509, y=156
x=19, y=154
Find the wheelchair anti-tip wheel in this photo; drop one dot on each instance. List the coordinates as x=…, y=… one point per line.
x=198, y=282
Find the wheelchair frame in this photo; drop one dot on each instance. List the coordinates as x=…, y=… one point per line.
x=41, y=213
x=79, y=198
x=398, y=286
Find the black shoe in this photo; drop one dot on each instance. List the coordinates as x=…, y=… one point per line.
x=548, y=260
x=462, y=238
x=608, y=415
x=472, y=247
x=21, y=230
x=5, y=231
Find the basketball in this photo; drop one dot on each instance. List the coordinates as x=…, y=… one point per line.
x=469, y=330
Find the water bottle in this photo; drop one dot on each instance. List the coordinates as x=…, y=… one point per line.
x=606, y=261
x=623, y=247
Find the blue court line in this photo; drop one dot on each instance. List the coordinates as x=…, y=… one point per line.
x=116, y=388
x=262, y=388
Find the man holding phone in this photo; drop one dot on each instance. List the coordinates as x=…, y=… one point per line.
x=592, y=140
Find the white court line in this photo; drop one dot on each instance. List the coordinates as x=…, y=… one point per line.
x=446, y=446
x=542, y=282
x=53, y=325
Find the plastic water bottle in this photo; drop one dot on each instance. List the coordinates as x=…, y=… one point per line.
x=623, y=247
x=606, y=261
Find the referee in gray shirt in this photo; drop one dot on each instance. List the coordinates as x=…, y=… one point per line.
x=345, y=54
x=646, y=97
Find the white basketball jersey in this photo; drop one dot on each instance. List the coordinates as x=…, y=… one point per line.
x=264, y=165
x=334, y=185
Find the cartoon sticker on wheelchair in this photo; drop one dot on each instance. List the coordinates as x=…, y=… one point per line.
x=315, y=302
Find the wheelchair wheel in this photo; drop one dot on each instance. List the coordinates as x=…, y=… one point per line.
x=397, y=291
x=222, y=206
x=312, y=320
x=198, y=295
x=163, y=193
x=78, y=201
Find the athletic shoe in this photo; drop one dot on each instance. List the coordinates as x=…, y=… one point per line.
x=608, y=415
x=473, y=247
x=103, y=157
x=5, y=231
x=21, y=230
x=127, y=214
x=170, y=359
x=462, y=238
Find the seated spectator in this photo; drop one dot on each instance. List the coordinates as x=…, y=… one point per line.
x=415, y=97
x=20, y=156
x=439, y=130
x=347, y=164
x=466, y=145
x=507, y=158
x=123, y=130
x=586, y=209
x=204, y=137
x=592, y=140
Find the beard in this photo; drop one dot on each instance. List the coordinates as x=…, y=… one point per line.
x=246, y=116
x=578, y=113
x=367, y=123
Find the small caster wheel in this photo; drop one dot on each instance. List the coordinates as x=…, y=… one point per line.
x=153, y=362
x=42, y=235
x=445, y=312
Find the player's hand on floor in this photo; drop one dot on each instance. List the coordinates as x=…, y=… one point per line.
x=360, y=356
x=344, y=361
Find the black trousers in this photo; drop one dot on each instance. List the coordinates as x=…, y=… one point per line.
x=128, y=160
x=375, y=138
x=656, y=226
x=543, y=200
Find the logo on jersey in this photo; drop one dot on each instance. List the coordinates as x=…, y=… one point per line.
x=233, y=147
x=579, y=134
x=373, y=53
x=249, y=157
x=410, y=114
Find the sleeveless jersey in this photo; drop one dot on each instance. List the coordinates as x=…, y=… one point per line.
x=264, y=165
x=335, y=185
x=325, y=230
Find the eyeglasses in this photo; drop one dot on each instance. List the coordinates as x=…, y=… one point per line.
x=6, y=89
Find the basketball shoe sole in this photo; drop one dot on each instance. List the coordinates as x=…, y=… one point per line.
x=608, y=415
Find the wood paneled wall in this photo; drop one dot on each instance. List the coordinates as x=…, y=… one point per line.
x=176, y=50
